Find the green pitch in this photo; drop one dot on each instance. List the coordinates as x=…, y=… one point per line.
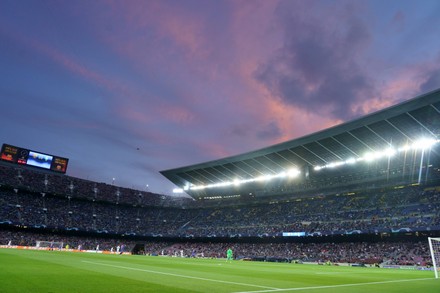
x=54, y=271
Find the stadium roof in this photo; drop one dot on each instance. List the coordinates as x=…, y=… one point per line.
x=399, y=125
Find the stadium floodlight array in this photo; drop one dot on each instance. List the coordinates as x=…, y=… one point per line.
x=422, y=144
x=434, y=247
x=292, y=173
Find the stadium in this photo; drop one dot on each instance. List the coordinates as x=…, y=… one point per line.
x=349, y=208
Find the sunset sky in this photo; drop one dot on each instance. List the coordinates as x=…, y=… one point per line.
x=125, y=89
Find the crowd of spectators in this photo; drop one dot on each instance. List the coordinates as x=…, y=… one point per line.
x=37, y=181
x=404, y=209
x=63, y=203
x=15, y=238
x=385, y=253
x=389, y=253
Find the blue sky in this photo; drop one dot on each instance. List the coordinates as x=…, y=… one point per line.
x=126, y=89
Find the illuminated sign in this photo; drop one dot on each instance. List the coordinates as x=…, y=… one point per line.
x=21, y=156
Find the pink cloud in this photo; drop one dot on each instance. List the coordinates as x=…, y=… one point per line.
x=125, y=97
x=177, y=114
x=59, y=58
x=134, y=114
x=154, y=30
x=404, y=84
x=72, y=65
x=250, y=25
x=213, y=150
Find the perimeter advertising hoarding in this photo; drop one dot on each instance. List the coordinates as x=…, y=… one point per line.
x=22, y=156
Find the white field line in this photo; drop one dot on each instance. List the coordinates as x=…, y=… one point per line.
x=181, y=276
x=334, y=286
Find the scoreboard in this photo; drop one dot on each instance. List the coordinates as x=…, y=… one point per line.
x=22, y=156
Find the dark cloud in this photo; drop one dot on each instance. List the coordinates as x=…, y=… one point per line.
x=239, y=130
x=269, y=132
x=316, y=69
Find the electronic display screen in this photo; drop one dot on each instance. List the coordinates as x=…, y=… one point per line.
x=59, y=164
x=294, y=234
x=39, y=160
x=9, y=153
x=27, y=157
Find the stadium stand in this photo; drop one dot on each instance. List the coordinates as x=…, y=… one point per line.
x=374, y=211
x=411, y=208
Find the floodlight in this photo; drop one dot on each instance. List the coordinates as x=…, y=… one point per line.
x=424, y=143
x=404, y=148
x=334, y=164
x=350, y=161
x=293, y=172
x=390, y=152
x=197, y=187
x=221, y=184
x=263, y=178
x=369, y=157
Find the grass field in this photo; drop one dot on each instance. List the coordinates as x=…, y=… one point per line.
x=55, y=271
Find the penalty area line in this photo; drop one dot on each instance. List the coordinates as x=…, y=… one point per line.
x=183, y=276
x=334, y=286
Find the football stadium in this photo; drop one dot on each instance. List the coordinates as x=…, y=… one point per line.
x=352, y=208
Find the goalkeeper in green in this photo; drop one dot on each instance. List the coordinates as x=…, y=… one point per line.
x=229, y=255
